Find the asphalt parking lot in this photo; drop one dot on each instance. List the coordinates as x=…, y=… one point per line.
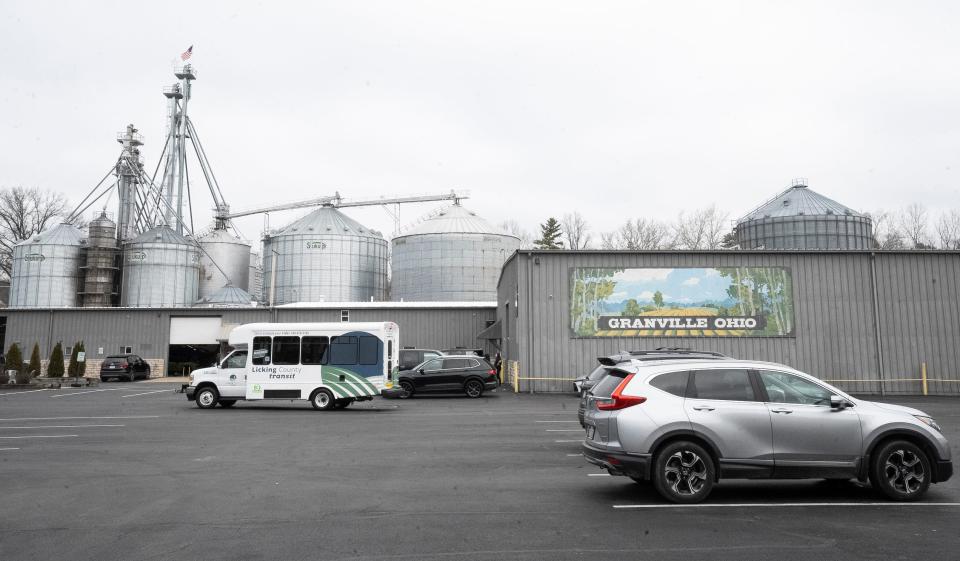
x=134, y=471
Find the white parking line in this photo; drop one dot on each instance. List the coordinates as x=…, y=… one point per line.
x=73, y=418
x=564, y=430
x=81, y=393
x=2, y=449
x=598, y=475
x=578, y=440
x=25, y=391
x=144, y=393
x=753, y=505
x=572, y=455
x=39, y=436
x=61, y=427
x=556, y=421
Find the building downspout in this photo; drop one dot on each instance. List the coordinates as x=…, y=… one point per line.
x=876, y=318
x=529, y=307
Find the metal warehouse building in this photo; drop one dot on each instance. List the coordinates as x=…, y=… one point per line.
x=175, y=339
x=865, y=320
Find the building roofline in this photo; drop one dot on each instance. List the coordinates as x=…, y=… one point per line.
x=294, y=306
x=731, y=252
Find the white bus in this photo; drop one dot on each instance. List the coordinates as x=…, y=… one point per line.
x=329, y=364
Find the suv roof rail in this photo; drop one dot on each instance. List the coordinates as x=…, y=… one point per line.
x=660, y=353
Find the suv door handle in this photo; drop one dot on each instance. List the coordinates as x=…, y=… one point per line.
x=703, y=408
x=784, y=411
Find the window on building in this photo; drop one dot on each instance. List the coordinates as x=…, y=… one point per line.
x=314, y=350
x=124, y=350
x=286, y=350
x=344, y=315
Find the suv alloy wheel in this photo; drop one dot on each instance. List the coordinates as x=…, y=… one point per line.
x=683, y=472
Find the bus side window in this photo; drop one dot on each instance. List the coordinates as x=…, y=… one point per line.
x=286, y=350
x=369, y=350
x=261, y=350
x=343, y=350
x=314, y=350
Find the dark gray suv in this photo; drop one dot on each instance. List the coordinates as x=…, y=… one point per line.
x=684, y=425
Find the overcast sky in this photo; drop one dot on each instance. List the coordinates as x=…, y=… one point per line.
x=615, y=109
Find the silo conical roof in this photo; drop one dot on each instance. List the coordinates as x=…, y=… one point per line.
x=161, y=234
x=328, y=220
x=228, y=295
x=799, y=200
x=61, y=234
x=455, y=220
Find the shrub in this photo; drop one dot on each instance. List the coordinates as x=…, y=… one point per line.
x=72, y=365
x=35, y=368
x=14, y=362
x=55, y=368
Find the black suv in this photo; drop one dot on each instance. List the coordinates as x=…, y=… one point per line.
x=469, y=374
x=410, y=358
x=586, y=383
x=128, y=367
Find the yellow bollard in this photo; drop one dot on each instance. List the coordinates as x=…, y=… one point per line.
x=923, y=376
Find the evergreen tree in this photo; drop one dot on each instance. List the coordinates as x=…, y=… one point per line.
x=658, y=299
x=549, y=235
x=34, y=368
x=82, y=366
x=72, y=366
x=55, y=368
x=14, y=361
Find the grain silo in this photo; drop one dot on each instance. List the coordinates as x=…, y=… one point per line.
x=228, y=296
x=324, y=256
x=100, y=265
x=224, y=259
x=160, y=269
x=800, y=218
x=454, y=256
x=46, y=269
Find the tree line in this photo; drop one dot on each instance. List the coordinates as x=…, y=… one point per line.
x=912, y=227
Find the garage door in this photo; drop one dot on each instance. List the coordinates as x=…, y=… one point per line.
x=194, y=330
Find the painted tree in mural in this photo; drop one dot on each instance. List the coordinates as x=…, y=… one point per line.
x=761, y=291
x=658, y=299
x=632, y=308
x=588, y=289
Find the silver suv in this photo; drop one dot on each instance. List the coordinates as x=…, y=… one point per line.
x=684, y=425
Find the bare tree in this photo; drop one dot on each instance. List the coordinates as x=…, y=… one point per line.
x=23, y=213
x=913, y=222
x=576, y=230
x=948, y=229
x=513, y=227
x=637, y=234
x=704, y=228
x=886, y=231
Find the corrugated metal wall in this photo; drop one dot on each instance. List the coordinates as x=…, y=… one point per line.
x=148, y=330
x=835, y=334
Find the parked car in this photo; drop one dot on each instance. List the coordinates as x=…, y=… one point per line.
x=686, y=424
x=128, y=367
x=466, y=373
x=463, y=351
x=586, y=383
x=410, y=357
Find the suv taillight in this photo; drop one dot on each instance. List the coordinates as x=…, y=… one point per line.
x=616, y=401
x=491, y=372
x=124, y=365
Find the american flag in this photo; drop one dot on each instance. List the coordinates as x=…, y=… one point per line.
x=187, y=53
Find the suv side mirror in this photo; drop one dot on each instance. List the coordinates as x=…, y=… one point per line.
x=422, y=371
x=838, y=403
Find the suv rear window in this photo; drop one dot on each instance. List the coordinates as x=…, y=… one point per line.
x=673, y=382
x=598, y=373
x=605, y=387
x=732, y=385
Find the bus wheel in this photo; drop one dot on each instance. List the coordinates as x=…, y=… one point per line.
x=322, y=400
x=207, y=398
